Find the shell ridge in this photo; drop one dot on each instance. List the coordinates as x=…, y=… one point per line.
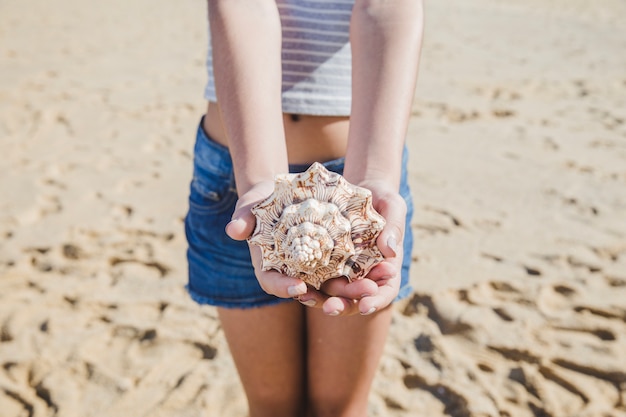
x=317, y=226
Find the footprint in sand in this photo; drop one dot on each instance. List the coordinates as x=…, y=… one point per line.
x=435, y=220
x=532, y=271
x=572, y=203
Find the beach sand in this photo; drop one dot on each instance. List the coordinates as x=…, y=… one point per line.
x=518, y=169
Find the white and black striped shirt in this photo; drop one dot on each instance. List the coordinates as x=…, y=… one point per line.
x=316, y=57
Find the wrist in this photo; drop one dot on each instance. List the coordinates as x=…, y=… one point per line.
x=381, y=173
x=254, y=173
x=255, y=189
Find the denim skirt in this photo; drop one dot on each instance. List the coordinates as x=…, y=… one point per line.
x=220, y=270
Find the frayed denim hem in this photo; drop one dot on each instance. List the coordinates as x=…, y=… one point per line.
x=243, y=304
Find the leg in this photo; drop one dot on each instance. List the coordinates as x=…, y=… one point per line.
x=267, y=346
x=343, y=357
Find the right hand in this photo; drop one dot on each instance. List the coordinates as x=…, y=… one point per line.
x=241, y=227
x=381, y=285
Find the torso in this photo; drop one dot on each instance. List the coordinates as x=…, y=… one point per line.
x=309, y=138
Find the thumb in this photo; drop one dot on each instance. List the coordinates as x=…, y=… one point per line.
x=393, y=209
x=243, y=221
x=242, y=224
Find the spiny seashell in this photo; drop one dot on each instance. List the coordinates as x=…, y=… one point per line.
x=316, y=226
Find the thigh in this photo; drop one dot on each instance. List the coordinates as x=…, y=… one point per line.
x=343, y=357
x=267, y=345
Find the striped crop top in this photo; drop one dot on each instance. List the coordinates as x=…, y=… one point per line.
x=316, y=57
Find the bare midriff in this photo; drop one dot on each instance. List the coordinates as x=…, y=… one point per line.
x=309, y=138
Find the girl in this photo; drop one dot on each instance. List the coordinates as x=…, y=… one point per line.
x=292, y=82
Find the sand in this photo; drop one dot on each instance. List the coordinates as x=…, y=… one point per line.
x=518, y=168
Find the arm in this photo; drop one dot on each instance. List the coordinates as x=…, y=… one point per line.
x=386, y=41
x=246, y=40
x=386, y=37
x=247, y=68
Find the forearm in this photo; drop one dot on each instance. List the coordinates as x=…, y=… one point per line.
x=247, y=68
x=386, y=41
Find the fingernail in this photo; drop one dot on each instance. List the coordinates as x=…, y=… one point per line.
x=230, y=223
x=334, y=313
x=233, y=221
x=393, y=244
x=309, y=303
x=368, y=312
x=296, y=290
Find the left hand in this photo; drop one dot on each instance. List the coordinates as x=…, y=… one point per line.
x=381, y=286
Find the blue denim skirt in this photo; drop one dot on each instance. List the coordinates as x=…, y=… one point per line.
x=220, y=270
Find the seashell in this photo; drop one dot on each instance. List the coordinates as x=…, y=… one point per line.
x=316, y=226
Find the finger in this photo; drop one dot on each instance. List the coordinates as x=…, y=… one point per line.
x=332, y=306
x=272, y=281
x=383, y=270
x=312, y=298
x=386, y=295
x=243, y=221
x=339, y=306
x=341, y=287
x=393, y=209
x=386, y=276
x=242, y=225
x=275, y=283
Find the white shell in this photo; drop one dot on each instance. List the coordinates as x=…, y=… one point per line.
x=316, y=226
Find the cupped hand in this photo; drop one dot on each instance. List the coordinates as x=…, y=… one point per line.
x=381, y=286
x=241, y=227
x=387, y=275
